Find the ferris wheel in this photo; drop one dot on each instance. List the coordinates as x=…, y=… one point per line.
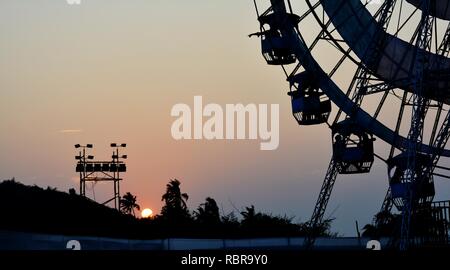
x=385, y=66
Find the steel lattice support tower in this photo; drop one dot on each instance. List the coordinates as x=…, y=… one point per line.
x=361, y=80
x=415, y=136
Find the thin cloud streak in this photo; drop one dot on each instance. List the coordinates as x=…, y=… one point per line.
x=68, y=131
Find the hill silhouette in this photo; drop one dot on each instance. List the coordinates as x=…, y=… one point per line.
x=34, y=209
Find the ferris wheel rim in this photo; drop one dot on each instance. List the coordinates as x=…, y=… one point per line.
x=400, y=82
x=441, y=9
x=338, y=97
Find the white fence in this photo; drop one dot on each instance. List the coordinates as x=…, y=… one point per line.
x=31, y=241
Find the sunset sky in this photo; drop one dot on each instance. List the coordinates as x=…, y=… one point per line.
x=111, y=70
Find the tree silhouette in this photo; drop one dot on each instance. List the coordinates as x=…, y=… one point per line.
x=128, y=203
x=250, y=215
x=370, y=230
x=230, y=220
x=384, y=217
x=175, y=208
x=72, y=192
x=208, y=212
x=385, y=224
x=259, y=224
x=323, y=228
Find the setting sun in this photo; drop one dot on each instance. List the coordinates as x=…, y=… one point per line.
x=146, y=213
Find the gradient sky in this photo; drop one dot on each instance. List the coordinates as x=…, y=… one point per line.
x=111, y=70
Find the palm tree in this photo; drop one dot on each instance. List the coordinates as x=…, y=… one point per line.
x=173, y=196
x=128, y=203
x=208, y=212
x=175, y=202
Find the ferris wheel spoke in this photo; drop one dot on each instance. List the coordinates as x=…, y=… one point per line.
x=399, y=121
x=379, y=88
x=441, y=139
x=359, y=82
x=340, y=62
x=380, y=105
x=436, y=122
x=444, y=48
x=309, y=11
x=401, y=26
x=320, y=36
x=327, y=32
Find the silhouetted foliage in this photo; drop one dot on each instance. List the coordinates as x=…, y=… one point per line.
x=175, y=209
x=385, y=225
x=208, y=212
x=426, y=224
x=128, y=203
x=230, y=222
x=323, y=229
x=72, y=192
x=258, y=224
x=230, y=219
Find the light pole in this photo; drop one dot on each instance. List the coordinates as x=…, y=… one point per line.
x=120, y=168
x=82, y=165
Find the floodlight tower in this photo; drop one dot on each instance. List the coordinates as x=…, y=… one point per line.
x=101, y=171
x=80, y=166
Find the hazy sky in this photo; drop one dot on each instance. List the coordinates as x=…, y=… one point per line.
x=111, y=70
